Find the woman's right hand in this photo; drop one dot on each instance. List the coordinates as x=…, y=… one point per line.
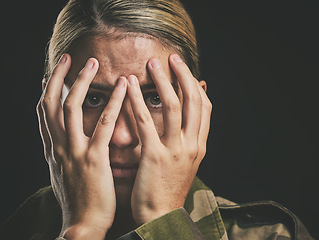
x=80, y=171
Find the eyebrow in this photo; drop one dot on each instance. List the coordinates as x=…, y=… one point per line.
x=144, y=87
x=103, y=87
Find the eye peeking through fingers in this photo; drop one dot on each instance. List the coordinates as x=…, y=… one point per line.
x=95, y=100
x=153, y=101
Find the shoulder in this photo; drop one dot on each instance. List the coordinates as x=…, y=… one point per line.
x=255, y=220
x=39, y=214
x=260, y=220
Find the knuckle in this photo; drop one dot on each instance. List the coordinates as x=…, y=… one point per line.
x=208, y=105
x=68, y=106
x=58, y=153
x=77, y=154
x=202, y=150
x=92, y=153
x=143, y=118
x=195, y=99
x=46, y=102
x=177, y=153
x=173, y=107
x=94, y=158
x=193, y=152
x=106, y=118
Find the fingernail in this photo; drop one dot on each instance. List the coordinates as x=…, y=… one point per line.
x=132, y=80
x=121, y=82
x=63, y=59
x=177, y=58
x=89, y=64
x=155, y=63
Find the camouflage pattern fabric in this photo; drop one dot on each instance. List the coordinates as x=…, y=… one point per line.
x=204, y=216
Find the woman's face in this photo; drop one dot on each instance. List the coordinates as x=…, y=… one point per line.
x=120, y=57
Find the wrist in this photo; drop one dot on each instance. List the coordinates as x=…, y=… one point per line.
x=151, y=215
x=80, y=232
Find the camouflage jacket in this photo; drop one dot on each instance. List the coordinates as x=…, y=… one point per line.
x=204, y=216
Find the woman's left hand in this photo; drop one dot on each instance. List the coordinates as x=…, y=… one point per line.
x=170, y=162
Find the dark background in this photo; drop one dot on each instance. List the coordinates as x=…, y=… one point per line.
x=262, y=68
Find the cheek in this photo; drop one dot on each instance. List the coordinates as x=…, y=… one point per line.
x=90, y=119
x=158, y=122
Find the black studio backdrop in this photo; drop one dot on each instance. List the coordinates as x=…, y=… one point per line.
x=261, y=65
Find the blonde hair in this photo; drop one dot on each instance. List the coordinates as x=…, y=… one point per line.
x=166, y=20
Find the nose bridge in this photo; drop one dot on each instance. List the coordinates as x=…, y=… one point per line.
x=125, y=131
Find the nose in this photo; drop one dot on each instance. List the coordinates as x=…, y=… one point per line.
x=125, y=133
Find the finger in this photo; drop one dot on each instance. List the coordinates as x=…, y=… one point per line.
x=50, y=100
x=52, y=145
x=105, y=126
x=171, y=104
x=145, y=124
x=72, y=107
x=205, y=122
x=46, y=139
x=191, y=97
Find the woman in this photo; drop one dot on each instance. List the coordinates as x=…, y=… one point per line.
x=124, y=124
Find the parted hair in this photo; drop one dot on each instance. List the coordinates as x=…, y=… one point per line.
x=165, y=20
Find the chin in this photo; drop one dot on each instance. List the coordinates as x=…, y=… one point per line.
x=123, y=191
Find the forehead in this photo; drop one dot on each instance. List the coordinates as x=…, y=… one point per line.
x=119, y=57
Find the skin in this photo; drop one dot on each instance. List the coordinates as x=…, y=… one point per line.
x=109, y=156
